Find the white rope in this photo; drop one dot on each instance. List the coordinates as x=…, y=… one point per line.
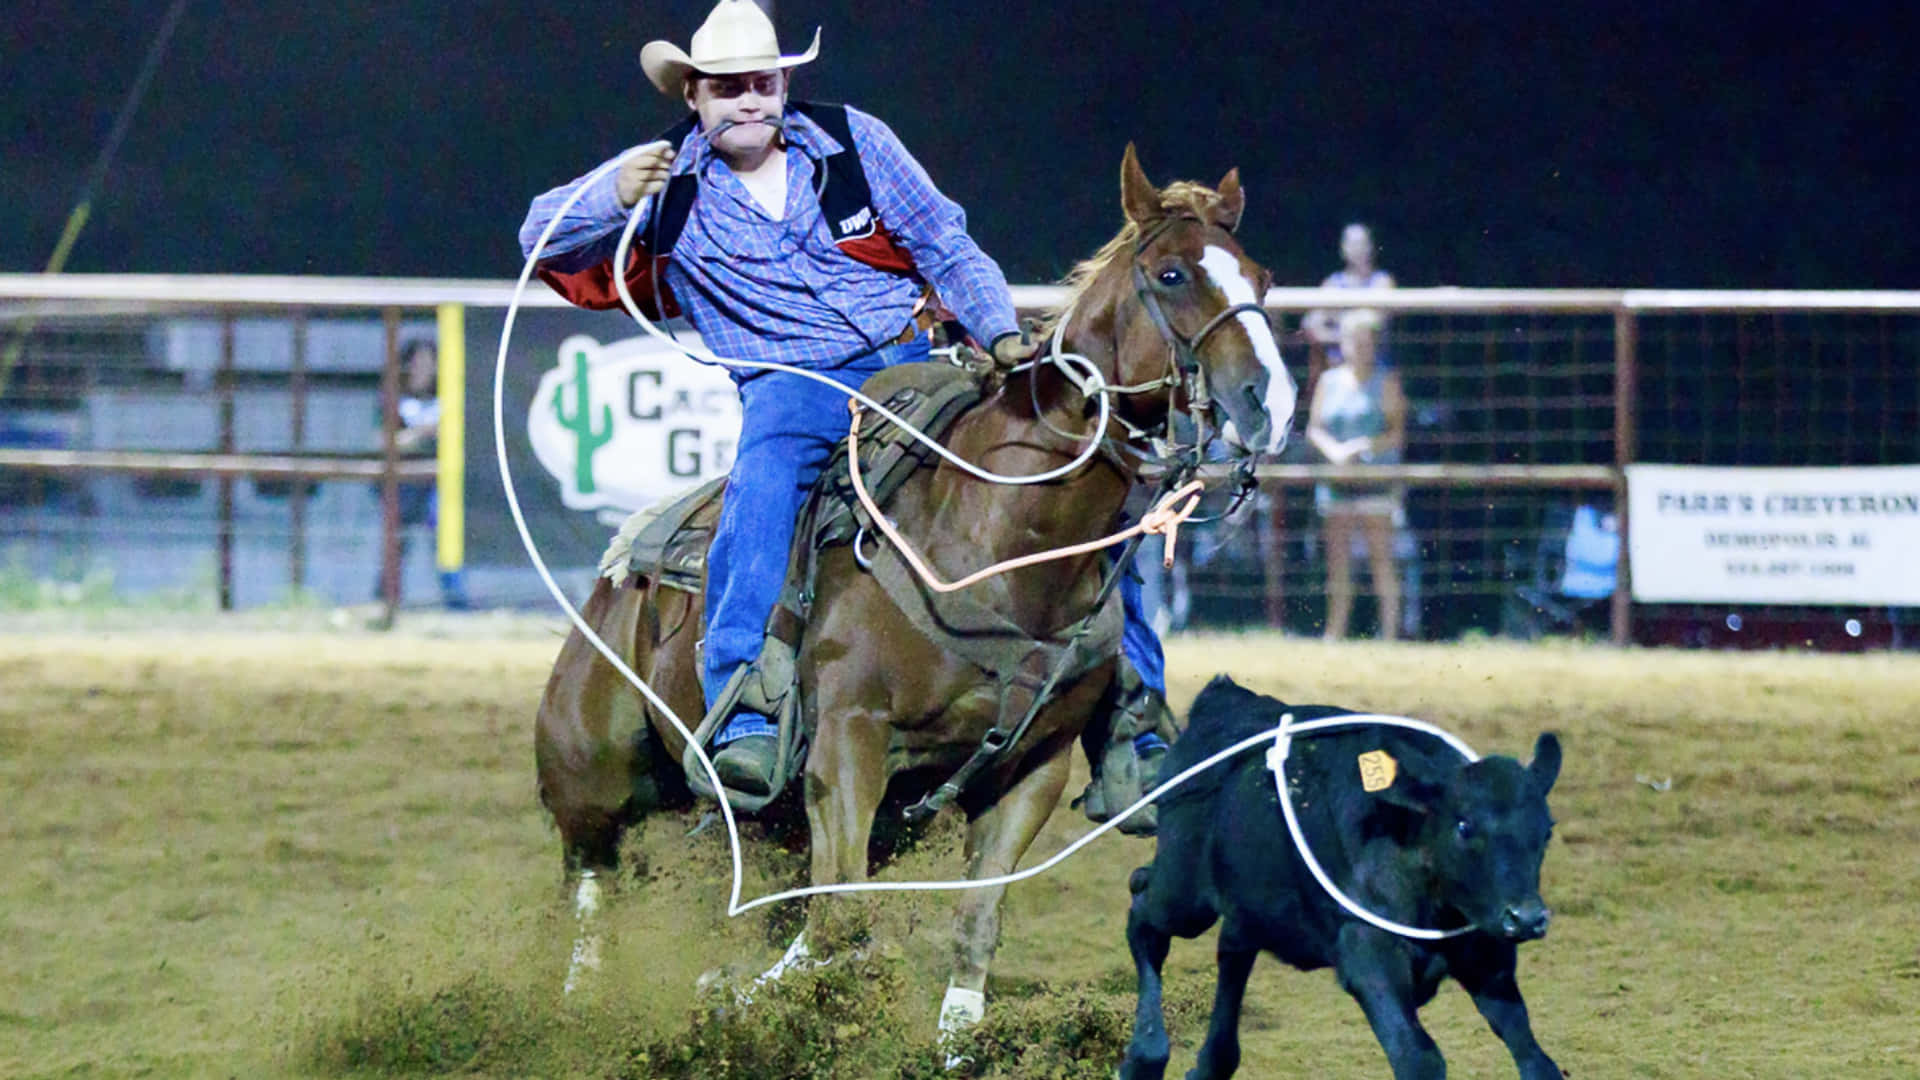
x=533, y=551
x=734, y=905
x=1277, y=760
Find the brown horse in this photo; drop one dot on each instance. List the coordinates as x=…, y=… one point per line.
x=884, y=704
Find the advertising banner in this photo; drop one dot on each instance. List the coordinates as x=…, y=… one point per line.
x=1841, y=536
x=601, y=420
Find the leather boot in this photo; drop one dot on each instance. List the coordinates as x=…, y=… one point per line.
x=1124, y=771
x=746, y=763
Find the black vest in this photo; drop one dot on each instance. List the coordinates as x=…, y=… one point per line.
x=846, y=203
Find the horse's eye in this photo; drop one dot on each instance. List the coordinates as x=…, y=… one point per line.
x=1173, y=276
x=1464, y=829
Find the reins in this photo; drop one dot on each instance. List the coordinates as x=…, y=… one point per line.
x=1165, y=517
x=1002, y=736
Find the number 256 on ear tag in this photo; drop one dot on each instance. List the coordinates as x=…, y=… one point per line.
x=1377, y=770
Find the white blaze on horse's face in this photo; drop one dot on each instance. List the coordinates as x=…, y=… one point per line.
x=1223, y=268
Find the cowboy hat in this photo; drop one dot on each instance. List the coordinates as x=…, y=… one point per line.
x=736, y=37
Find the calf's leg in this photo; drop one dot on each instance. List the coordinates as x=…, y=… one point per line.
x=1375, y=968
x=1220, y=1054
x=1489, y=979
x=1148, y=1050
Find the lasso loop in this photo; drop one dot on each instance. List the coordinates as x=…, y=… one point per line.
x=1092, y=381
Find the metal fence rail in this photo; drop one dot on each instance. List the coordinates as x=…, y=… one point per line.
x=1525, y=404
x=178, y=402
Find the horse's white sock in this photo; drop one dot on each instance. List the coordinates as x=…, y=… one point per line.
x=586, y=896
x=586, y=945
x=961, y=1009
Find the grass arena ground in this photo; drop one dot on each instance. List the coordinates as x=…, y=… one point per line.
x=242, y=848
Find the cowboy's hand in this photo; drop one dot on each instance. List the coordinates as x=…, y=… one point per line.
x=1011, y=348
x=644, y=173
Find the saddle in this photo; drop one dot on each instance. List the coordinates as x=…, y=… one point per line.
x=666, y=545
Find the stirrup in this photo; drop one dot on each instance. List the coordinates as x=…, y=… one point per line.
x=1123, y=778
x=1123, y=775
x=745, y=689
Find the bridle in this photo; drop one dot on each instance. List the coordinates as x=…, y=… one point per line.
x=1184, y=373
x=1183, y=359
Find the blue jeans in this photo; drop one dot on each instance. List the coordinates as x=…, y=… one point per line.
x=789, y=426
x=1137, y=639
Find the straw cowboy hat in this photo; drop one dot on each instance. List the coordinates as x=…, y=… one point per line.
x=736, y=37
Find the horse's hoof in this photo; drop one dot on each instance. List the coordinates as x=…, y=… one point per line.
x=724, y=986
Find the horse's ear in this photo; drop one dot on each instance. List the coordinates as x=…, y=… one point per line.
x=1233, y=201
x=1137, y=195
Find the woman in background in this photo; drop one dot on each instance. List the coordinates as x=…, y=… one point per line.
x=1359, y=415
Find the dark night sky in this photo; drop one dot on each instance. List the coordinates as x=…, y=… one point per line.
x=1679, y=144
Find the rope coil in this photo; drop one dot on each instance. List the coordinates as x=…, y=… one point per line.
x=1066, y=362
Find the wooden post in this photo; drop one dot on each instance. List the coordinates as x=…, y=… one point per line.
x=451, y=529
x=390, y=476
x=1625, y=340
x=224, y=541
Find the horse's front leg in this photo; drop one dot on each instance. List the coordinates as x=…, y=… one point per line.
x=845, y=781
x=996, y=839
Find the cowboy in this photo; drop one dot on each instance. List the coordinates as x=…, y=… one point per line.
x=788, y=232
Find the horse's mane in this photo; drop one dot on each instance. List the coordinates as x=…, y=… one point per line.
x=1181, y=198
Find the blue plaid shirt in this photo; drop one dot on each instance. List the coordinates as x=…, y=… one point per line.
x=759, y=289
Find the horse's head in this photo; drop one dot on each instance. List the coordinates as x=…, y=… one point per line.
x=1195, y=296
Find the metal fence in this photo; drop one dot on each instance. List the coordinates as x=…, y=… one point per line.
x=188, y=431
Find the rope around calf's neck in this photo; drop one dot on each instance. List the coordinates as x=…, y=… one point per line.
x=1163, y=518
x=1277, y=761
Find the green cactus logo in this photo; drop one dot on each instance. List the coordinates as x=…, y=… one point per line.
x=587, y=440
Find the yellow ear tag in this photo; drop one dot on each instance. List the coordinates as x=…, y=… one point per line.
x=1377, y=770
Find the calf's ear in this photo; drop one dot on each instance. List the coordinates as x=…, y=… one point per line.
x=1546, y=761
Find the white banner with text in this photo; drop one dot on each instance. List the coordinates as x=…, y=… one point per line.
x=1849, y=535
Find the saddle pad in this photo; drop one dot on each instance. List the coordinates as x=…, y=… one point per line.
x=668, y=540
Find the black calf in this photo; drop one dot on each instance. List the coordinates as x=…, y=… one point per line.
x=1446, y=844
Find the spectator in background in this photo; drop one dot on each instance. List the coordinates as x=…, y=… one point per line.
x=1359, y=415
x=419, y=436
x=1322, y=326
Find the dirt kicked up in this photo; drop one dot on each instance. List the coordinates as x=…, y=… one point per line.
x=259, y=852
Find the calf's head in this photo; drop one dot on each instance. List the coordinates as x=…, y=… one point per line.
x=1484, y=833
